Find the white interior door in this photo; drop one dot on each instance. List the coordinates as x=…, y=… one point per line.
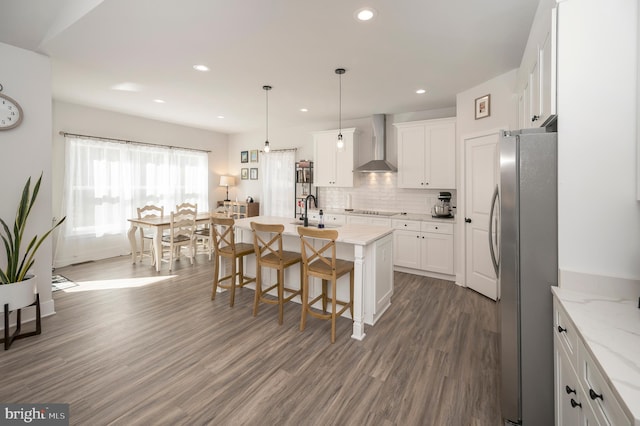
x=481, y=177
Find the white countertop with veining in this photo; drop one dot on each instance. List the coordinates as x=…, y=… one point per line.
x=611, y=329
x=402, y=216
x=351, y=233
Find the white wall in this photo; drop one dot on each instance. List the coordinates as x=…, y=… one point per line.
x=84, y=120
x=26, y=151
x=371, y=191
x=599, y=217
x=503, y=116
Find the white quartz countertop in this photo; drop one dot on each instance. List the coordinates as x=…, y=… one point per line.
x=351, y=233
x=423, y=218
x=402, y=216
x=611, y=330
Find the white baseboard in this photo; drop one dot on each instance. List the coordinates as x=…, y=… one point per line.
x=624, y=288
x=425, y=273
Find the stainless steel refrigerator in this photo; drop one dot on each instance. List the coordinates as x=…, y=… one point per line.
x=524, y=248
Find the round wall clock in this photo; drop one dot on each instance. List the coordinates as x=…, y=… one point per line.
x=10, y=112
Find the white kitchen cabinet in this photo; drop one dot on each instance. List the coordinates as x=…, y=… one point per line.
x=333, y=167
x=424, y=246
x=582, y=394
x=383, y=273
x=329, y=218
x=368, y=220
x=537, y=93
x=426, y=154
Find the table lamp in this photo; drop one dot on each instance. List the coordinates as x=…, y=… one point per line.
x=227, y=181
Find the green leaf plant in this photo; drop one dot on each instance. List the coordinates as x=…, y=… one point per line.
x=18, y=265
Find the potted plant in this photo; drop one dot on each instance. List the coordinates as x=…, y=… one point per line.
x=17, y=287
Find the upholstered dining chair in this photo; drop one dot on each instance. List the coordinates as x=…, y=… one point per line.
x=225, y=247
x=327, y=269
x=267, y=243
x=181, y=234
x=148, y=211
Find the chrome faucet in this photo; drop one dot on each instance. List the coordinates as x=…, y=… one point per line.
x=305, y=218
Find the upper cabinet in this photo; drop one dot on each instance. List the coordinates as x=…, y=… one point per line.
x=537, y=74
x=334, y=167
x=427, y=154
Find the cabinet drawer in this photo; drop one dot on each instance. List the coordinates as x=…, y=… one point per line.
x=338, y=219
x=598, y=393
x=437, y=228
x=409, y=225
x=565, y=332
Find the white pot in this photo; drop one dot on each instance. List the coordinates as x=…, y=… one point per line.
x=18, y=295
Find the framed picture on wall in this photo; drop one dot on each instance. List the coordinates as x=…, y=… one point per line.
x=253, y=155
x=254, y=174
x=244, y=173
x=483, y=106
x=244, y=156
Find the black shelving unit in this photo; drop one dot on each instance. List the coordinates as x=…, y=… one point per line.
x=304, y=185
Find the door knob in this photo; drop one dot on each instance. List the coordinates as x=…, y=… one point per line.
x=467, y=219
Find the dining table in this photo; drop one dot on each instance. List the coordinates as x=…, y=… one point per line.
x=158, y=225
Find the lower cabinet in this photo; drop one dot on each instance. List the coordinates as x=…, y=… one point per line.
x=582, y=395
x=425, y=246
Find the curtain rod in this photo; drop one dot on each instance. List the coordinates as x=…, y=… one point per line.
x=130, y=142
x=280, y=150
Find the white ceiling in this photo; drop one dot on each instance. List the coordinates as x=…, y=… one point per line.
x=443, y=46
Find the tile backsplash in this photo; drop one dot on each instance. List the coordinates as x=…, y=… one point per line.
x=379, y=191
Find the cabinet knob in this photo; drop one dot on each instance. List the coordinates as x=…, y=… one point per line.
x=417, y=236
x=569, y=390
x=594, y=395
x=405, y=224
x=467, y=219
x=423, y=238
x=535, y=118
x=561, y=330
x=436, y=227
x=575, y=404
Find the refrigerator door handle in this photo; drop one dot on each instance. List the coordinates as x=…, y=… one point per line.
x=494, y=259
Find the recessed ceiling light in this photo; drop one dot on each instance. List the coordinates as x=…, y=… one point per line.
x=304, y=109
x=421, y=91
x=221, y=116
x=127, y=87
x=158, y=101
x=365, y=14
x=201, y=68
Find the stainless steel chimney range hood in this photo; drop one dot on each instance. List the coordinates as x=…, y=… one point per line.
x=379, y=164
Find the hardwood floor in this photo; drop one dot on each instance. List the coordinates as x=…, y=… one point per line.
x=123, y=352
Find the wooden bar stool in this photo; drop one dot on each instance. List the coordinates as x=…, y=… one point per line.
x=327, y=269
x=267, y=243
x=224, y=246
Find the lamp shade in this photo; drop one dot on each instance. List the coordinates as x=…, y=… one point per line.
x=227, y=181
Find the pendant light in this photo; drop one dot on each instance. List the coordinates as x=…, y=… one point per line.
x=266, y=141
x=340, y=142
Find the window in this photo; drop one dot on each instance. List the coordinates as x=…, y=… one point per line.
x=106, y=181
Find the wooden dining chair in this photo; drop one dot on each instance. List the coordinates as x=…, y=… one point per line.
x=187, y=206
x=267, y=243
x=328, y=268
x=148, y=211
x=181, y=234
x=225, y=247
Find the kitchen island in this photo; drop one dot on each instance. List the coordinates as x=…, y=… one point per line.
x=370, y=247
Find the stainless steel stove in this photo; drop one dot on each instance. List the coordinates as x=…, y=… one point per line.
x=373, y=213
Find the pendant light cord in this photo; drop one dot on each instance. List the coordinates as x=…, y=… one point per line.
x=267, y=116
x=340, y=106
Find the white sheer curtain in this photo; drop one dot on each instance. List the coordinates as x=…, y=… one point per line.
x=277, y=174
x=106, y=181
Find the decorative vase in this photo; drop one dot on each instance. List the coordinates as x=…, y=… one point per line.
x=18, y=295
